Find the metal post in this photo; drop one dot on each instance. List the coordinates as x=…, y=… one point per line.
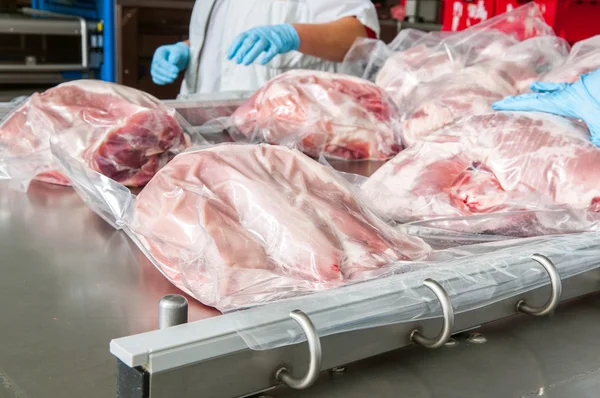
x=172, y=311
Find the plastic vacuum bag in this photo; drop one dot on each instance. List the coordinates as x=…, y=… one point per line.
x=433, y=56
x=496, y=162
x=416, y=57
x=473, y=276
x=6, y=108
x=239, y=225
x=320, y=113
x=584, y=58
x=118, y=131
x=506, y=225
x=473, y=90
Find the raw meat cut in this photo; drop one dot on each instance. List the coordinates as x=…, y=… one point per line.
x=236, y=225
x=405, y=70
x=121, y=132
x=584, y=58
x=416, y=57
x=491, y=163
x=435, y=57
x=473, y=90
x=526, y=62
x=470, y=91
x=335, y=115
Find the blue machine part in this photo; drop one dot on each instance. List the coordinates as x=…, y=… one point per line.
x=72, y=75
x=88, y=9
x=95, y=10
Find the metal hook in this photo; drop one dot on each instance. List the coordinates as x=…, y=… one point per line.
x=556, y=289
x=448, y=314
x=314, y=347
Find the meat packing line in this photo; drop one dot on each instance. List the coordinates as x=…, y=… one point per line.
x=322, y=220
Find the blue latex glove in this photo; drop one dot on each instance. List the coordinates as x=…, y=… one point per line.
x=579, y=100
x=168, y=61
x=273, y=40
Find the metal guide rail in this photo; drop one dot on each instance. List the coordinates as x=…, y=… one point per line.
x=184, y=360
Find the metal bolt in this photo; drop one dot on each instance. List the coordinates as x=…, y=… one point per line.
x=477, y=338
x=338, y=370
x=172, y=311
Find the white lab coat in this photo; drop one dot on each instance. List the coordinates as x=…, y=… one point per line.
x=216, y=23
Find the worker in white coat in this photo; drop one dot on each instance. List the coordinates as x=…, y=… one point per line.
x=238, y=45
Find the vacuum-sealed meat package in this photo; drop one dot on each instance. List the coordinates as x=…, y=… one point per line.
x=236, y=225
x=583, y=58
x=415, y=57
x=497, y=162
x=434, y=105
x=435, y=56
x=321, y=113
x=123, y=133
x=473, y=90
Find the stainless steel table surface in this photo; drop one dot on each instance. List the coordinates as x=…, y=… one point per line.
x=69, y=284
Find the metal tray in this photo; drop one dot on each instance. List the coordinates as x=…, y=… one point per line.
x=201, y=108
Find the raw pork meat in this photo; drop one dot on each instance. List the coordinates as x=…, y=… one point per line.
x=405, y=70
x=235, y=225
x=433, y=55
x=473, y=90
x=491, y=163
x=470, y=91
x=584, y=58
x=416, y=57
x=121, y=132
x=321, y=113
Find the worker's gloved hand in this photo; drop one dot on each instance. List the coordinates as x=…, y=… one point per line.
x=272, y=40
x=579, y=100
x=168, y=61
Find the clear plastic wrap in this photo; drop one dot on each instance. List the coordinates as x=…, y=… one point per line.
x=474, y=276
x=522, y=23
x=584, y=58
x=497, y=162
x=507, y=225
x=239, y=225
x=416, y=57
x=473, y=90
x=121, y=132
x=321, y=113
x=6, y=108
x=432, y=56
x=405, y=70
